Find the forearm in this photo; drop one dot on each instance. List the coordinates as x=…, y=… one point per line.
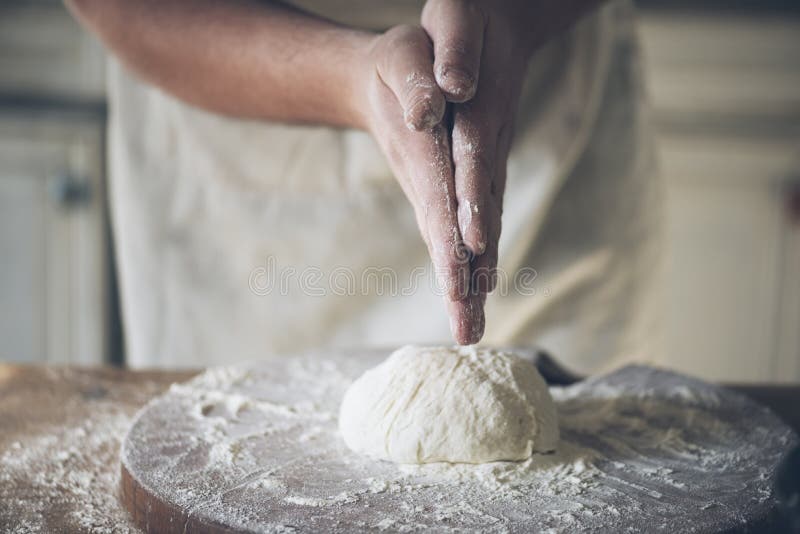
x=245, y=58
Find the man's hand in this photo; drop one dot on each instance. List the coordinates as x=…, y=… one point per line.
x=481, y=50
x=404, y=110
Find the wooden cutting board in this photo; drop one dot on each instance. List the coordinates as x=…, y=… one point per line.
x=254, y=448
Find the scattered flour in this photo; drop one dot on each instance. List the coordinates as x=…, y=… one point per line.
x=68, y=471
x=640, y=449
x=256, y=447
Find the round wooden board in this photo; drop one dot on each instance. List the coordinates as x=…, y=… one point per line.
x=254, y=448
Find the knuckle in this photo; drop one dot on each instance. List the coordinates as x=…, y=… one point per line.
x=401, y=31
x=405, y=36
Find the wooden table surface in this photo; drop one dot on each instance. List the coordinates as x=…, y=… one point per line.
x=61, y=427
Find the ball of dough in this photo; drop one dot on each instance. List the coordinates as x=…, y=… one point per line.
x=440, y=404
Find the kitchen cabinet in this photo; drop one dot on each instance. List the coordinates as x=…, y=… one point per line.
x=54, y=271
x=53, y=276
x=726, y=106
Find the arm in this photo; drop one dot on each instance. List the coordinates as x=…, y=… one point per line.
x=260, y=59
x=244, y=58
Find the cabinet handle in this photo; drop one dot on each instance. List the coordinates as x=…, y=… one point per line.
x=70, y=191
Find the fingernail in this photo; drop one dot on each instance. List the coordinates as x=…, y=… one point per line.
x=457, y=81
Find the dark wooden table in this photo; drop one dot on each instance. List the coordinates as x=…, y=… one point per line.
x=61, y=427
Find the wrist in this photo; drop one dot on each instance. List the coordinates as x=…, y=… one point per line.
x=355, y=72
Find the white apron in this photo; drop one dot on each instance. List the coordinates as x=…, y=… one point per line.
x=243, y=239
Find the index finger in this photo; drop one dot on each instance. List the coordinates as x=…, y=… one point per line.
x=435, y=188
x=467, y=319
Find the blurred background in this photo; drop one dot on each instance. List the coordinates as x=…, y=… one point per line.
x=724, y=83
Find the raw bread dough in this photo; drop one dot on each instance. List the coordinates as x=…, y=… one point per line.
x=441, y=404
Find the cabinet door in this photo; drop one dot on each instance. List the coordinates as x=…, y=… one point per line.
x=731, y=278
x=53, y=272
x=724, y=91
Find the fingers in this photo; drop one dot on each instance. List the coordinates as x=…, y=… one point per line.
x=456, y=28
x=482, y=130
x=483, y=277
x=406, y=67
x=484, y=267
x=423, y=163
x=423, y=166
x=474, y=144
x=432, y=178
x=467, y=320
x=504, y=138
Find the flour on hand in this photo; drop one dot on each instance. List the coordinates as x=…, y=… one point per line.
x=458, y=405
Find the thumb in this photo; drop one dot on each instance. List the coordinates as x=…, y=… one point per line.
x=405, y=64
x=456, y=28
